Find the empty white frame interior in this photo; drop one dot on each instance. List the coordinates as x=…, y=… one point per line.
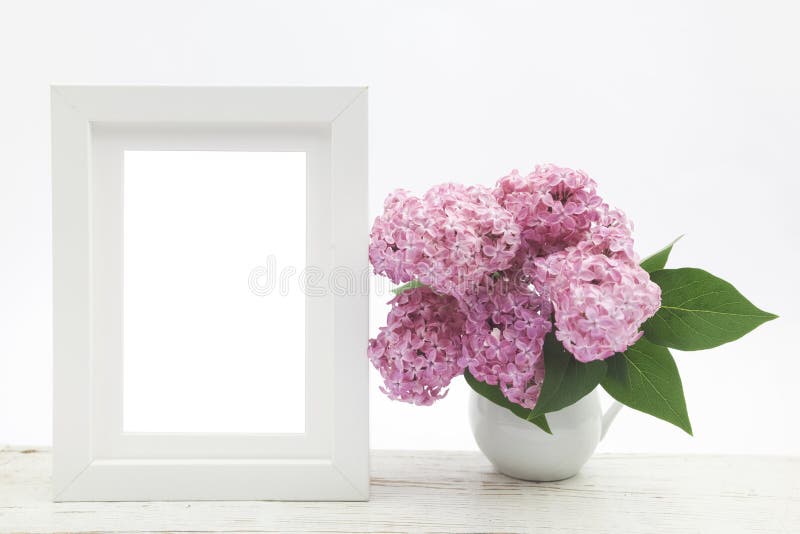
x=224, y=268
x=192, y=359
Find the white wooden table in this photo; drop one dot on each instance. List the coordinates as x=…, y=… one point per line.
x=455, y=492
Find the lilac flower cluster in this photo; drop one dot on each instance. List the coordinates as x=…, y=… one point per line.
x=453, y=235
x=554, y=206
x=503, y=337
x=502, y=268
x=599, y=293
x=417, y=351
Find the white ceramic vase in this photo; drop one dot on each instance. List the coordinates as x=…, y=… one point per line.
x=522, y=450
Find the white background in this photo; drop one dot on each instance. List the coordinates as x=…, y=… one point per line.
x=686, y=112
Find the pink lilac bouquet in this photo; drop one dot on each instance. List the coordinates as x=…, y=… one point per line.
x=533, y=291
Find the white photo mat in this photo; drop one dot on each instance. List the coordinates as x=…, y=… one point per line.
x=93, y=458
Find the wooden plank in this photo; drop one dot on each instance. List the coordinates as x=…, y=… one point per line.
x=455, y=492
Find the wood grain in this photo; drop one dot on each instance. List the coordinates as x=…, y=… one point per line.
x=455, y=492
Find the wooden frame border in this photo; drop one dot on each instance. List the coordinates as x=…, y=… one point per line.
x=78, y=473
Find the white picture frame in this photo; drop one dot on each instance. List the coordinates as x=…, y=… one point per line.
x=93, y=459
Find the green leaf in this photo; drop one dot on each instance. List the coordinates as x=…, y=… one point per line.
x=494, y=394
x=700, y=311
x=646, y=378
x=566, y=380
x=409, y=285
x=659, y=259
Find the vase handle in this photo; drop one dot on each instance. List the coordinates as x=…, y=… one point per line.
x=609, y=416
